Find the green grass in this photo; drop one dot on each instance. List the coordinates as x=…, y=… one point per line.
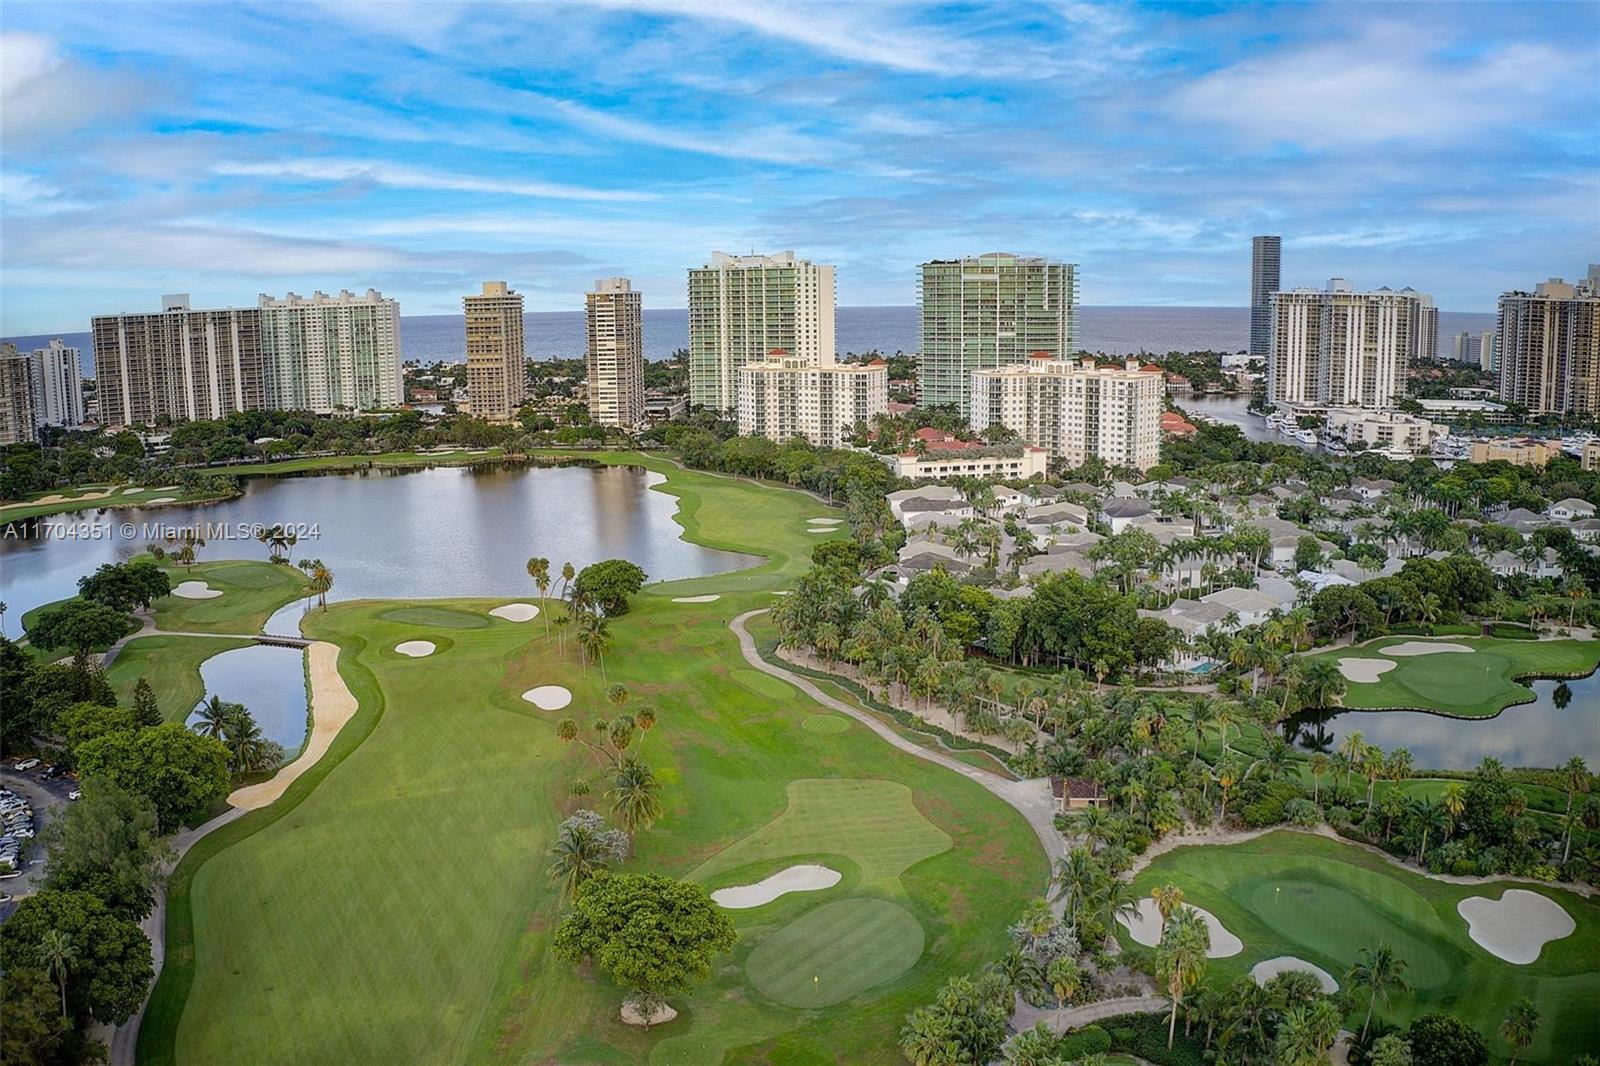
x=1476, y=685
x=330, y=464
x=251, y=591
x=836, y=951
x=87, y=498
x=445, y=617
x=393, y=906
x=172, y=666
x=1323, y=901
x=827, y=724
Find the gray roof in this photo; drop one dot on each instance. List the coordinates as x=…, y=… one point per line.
x=1125, y=507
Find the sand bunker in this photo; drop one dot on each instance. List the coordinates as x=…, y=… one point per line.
x=516, y=612
x=548, y=697
x=805, y=878
x=415, y=648
x=1516, y=926
x=631, y=1015
x=1266, y=970
x=196, y=590
x=822, y=529
x=1366, y=670
x=1424, y=647
x=1145, y=927
x=826, y=521
x=163, y=499
x=695, y=599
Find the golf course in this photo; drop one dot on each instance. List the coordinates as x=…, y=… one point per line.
x=1321, y=901
x=394, y=905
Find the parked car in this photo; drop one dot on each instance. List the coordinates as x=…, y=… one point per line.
x=53, y=772
x=75, y=794
x=27, y=764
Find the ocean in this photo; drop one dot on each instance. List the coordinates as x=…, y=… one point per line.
x=1111, y=330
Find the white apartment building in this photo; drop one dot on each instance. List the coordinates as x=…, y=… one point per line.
x=177, y=364
x=1013, y=462
x=1382, y=430
x=1343, y=348
x=614, y=326
x=57, y=385
x=331, y=353
x=789, y=396
x=1074, y=409
x=741, y=308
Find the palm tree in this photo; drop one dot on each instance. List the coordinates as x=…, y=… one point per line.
x=1077, y=875
x=1318, y=764
x=1519, y=1027
x=1168, y=899
x=1381, y=972
x=1065, y=980
x=1020, y=971
x=539, y=570
x=594, y=636
x=1181, y=960
x=567, y=574
x=1306, y=1034
x=248, y=750
x=635, y=795
x=1352, y=748
x=56, y=949
x=578, y=854
x=213, y=717
x=1453, y=801
x=2, y=618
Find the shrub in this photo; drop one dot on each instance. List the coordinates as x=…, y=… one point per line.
x=1268, y=809
x=1090, y=1040
x=1444, y=1040
x=1145, y=1035
x=1301, y=811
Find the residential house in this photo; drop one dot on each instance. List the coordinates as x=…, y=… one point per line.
x=1119, y=512
x=1076, y=793
x=1570, y=509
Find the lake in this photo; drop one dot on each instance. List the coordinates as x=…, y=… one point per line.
x=1545, y=733
x=270, y=681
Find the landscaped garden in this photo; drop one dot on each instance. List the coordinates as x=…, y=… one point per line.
x=1323, y=901
x=1465, y=676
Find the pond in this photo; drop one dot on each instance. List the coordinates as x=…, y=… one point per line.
x=268, y=680
x=1563, y=721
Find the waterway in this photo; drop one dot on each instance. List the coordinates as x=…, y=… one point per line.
x=270, y=682
x=1234, y=410
x=1562, y=721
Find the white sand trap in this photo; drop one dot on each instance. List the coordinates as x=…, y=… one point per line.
x=826, y=521
x=1266, y=970
x=1425, y=647
x=783, y=592
x=1364, y=670
x=167, y=488
x=415, y=648
x=516, y=612
x=1145, y=927
x=695, y=599
x=1516, y=926
x=548, y=697
x=822, y=529
x=163, y=499
x=196, y=590
x=134, y=488
x=806, y=878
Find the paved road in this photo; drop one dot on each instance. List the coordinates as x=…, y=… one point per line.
x=1032, y=799
x=1025, y=1016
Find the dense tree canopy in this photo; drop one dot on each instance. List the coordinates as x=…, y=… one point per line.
x=124, y=586
x=652, y=934
x=79, y=626
x=108, y=843
x=609, y=584
x=181, y=773
x=113, y=967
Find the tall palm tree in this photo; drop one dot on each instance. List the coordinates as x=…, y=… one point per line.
x=1181, y=960
x=1065, y=980
x=578, y=854
x=1520, y=1026
x=1076, y=878
x=56, y=949
x=1306, y=1034
x=539, y=570
x=635, y=795
x=1318, y=764
x=1381, y=972
x=594, y=636
x=213, y=717
x=568, y=572
x=1168, y=899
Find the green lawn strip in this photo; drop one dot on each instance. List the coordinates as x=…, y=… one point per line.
x=1290, y=893
x=82, y=501
x=172, y=666
x=1470, y=685
x=328, y=464
x=252, y=590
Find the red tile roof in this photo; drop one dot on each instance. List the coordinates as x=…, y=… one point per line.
x=1074, y=788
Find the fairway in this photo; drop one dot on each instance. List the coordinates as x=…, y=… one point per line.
x=172, y=666
x=834, y=951
x=1472, y=685
x=251, y=591
x=1317, y=899
x=393, y=907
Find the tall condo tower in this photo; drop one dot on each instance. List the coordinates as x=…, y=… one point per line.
x=615, y=357
x=1266, y=262
x=1340, y=348
x=496, y=359
x=988, y=311
x=178, y=364
x=58, y=385
x=331, y=353
x=743, y=307
x=1548, y=345
x=19, y=422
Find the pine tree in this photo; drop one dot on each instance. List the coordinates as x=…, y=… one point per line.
x=145, y=710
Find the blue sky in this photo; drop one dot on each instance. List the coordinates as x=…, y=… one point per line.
x=231, y=149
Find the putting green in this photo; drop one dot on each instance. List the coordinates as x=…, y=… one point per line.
x=836, y=951
x=445, y=617
x=826, y=724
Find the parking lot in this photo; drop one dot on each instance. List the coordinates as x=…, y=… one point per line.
x=46, y=797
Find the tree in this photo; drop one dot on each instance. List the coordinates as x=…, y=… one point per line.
x=1168, y=899
x=32, y=1030
x=960, y=1026
x=57, y=954
x=594, y=637
x=635, y=795
x=609, y=584
x=108, y=843
x=80, y=626
x=249, y=751
x=1381, y=972
x=1520, y=1027
x=83, y=722
x=583, y=848
x=1390, y=1050
x=1181, y=960
x=146, y=712
x=182, y=773
x=321, y=580
x=539, y=570
x=1438, y=1039
x=126, y=586
x=1065, y=980
x=1306, y=1034
x=212, y=718
x=651, y=934
x=112, y=963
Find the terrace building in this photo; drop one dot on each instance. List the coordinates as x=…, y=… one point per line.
x=496, y=355
x=1343, y=348
x=178, y=364
x=331, y=353
x=1548, y=345
x=939, y=456
x=19, y=423
x=57, y=385
x=1074, y=408
x=788, y=396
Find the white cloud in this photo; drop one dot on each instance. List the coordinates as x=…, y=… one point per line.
x=404, y=177
x=45, y=96
x=766, y=143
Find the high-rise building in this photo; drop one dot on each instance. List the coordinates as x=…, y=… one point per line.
x=57, y=385
x=615, y=358
x=18, y=421
x=1266, y=265
x=1465, y=347
x=990, y=311
x=1074, y=408
x=1341, y=348
x=331, y=353
x=1548, y=344
x=177, y=364
x=497, y=371
x=786, y=396
x=741, y=307
x=1488, y=356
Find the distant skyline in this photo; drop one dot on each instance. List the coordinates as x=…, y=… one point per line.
x=422, y=148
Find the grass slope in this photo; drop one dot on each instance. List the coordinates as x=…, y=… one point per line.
x=1321, y=900
x=1476, y=685
x=393, y=906
x=251, y=591
x=172, y=666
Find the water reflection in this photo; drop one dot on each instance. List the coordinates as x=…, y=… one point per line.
x=268, y=680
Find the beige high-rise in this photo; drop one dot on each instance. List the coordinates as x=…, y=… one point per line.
x=19, y=422
x=1548, y=346
x=1343, y=348
x=615, y=354
x=1074, y=408
x=496, y=360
